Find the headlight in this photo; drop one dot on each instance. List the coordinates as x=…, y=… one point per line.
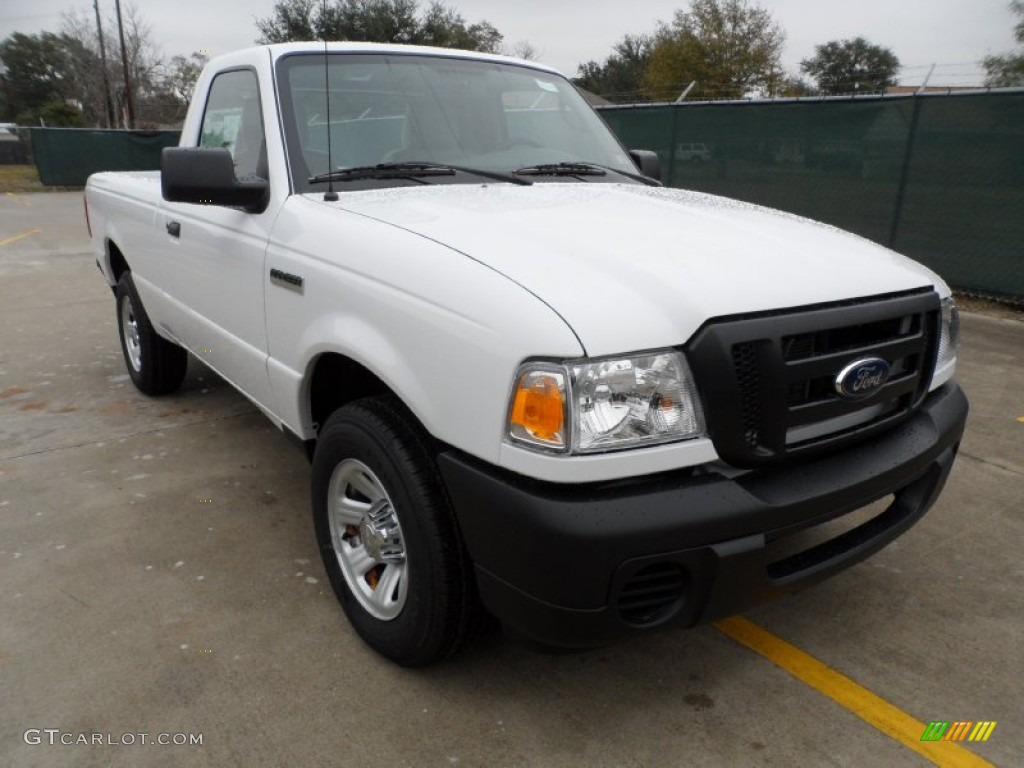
x=590, y=406
x=949, y=337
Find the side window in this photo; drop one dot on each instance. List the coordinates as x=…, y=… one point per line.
x=232, y=120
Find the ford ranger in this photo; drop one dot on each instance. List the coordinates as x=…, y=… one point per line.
x=533, y=383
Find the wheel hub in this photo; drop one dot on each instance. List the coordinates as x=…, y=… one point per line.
x=366, y=535
x=130, y=333
x=380, y=534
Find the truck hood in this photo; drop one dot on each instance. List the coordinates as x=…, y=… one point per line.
x=630, y=267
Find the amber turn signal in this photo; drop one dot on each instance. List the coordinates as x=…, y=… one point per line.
x=538, y=409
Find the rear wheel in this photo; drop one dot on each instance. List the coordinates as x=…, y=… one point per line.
x=156, y=366
x=388, y=537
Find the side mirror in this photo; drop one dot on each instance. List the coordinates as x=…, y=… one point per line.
x=646, y=160
x=206, y=176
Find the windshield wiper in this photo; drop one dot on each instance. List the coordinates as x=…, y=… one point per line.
x=383, y=171
x=583, y=169
x=562, y=169
x=635, y=176
x=410, y=170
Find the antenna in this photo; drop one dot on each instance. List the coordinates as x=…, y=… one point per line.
x=330, y=195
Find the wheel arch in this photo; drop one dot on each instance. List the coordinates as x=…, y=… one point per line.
x=114, y=263
x=334, y=379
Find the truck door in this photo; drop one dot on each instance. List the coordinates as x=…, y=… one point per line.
x=214, y=255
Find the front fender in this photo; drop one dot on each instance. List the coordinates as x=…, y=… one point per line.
x=443, y=331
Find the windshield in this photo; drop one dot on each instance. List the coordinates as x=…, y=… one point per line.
x=400, y=108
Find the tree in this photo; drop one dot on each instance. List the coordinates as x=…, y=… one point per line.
x=60, y=113
x=167, y=101
x=445, y=28
x=182, y=73
x=791, y=87
x=372, y=21
x=59, y=79
x=729, y=47
x=39, y=80
x=524, y=50
x=621, y=77
x=145, y=66
x=381, y=21
x=291, y=20
x=851, y=66
x=1007, y=70
x=86, y=66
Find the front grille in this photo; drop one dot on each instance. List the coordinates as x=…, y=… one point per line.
x=768, y=381
x=744, y=361
x=652, y=594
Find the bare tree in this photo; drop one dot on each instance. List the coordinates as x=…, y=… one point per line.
x=145, y=65
x=524, y=49
x=86, y=65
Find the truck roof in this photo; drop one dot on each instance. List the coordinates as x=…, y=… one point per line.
x=278, y=50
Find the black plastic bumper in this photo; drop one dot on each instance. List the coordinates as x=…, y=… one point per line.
x=578, y=566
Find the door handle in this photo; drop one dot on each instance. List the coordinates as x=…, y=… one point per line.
x=173, y=228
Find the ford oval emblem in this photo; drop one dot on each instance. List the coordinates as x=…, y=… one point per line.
x=862, y=378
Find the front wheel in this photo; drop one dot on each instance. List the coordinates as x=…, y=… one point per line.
x=388, y=536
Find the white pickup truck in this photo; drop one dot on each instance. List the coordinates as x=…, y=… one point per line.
x=532, y=381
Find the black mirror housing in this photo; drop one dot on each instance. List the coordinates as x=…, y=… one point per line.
x=647, y=161
x=206, y=176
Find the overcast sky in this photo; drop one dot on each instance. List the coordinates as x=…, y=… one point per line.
x=955, y=34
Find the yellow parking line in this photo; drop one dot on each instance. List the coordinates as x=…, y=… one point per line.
x=874, y=710
x=20, y=236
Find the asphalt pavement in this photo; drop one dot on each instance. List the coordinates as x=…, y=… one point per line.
x=159, y=576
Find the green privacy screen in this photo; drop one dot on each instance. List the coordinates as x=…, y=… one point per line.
x=937, y=177
x=66, y=156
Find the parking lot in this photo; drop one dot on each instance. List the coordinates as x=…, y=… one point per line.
x=159, y=575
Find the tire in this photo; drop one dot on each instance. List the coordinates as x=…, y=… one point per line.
x=388, y=536
x=156, y=366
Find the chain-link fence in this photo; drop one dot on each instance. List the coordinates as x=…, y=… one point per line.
x=66, y=156
x=937, y=177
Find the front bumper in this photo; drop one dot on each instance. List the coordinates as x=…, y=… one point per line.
x=578, y=566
